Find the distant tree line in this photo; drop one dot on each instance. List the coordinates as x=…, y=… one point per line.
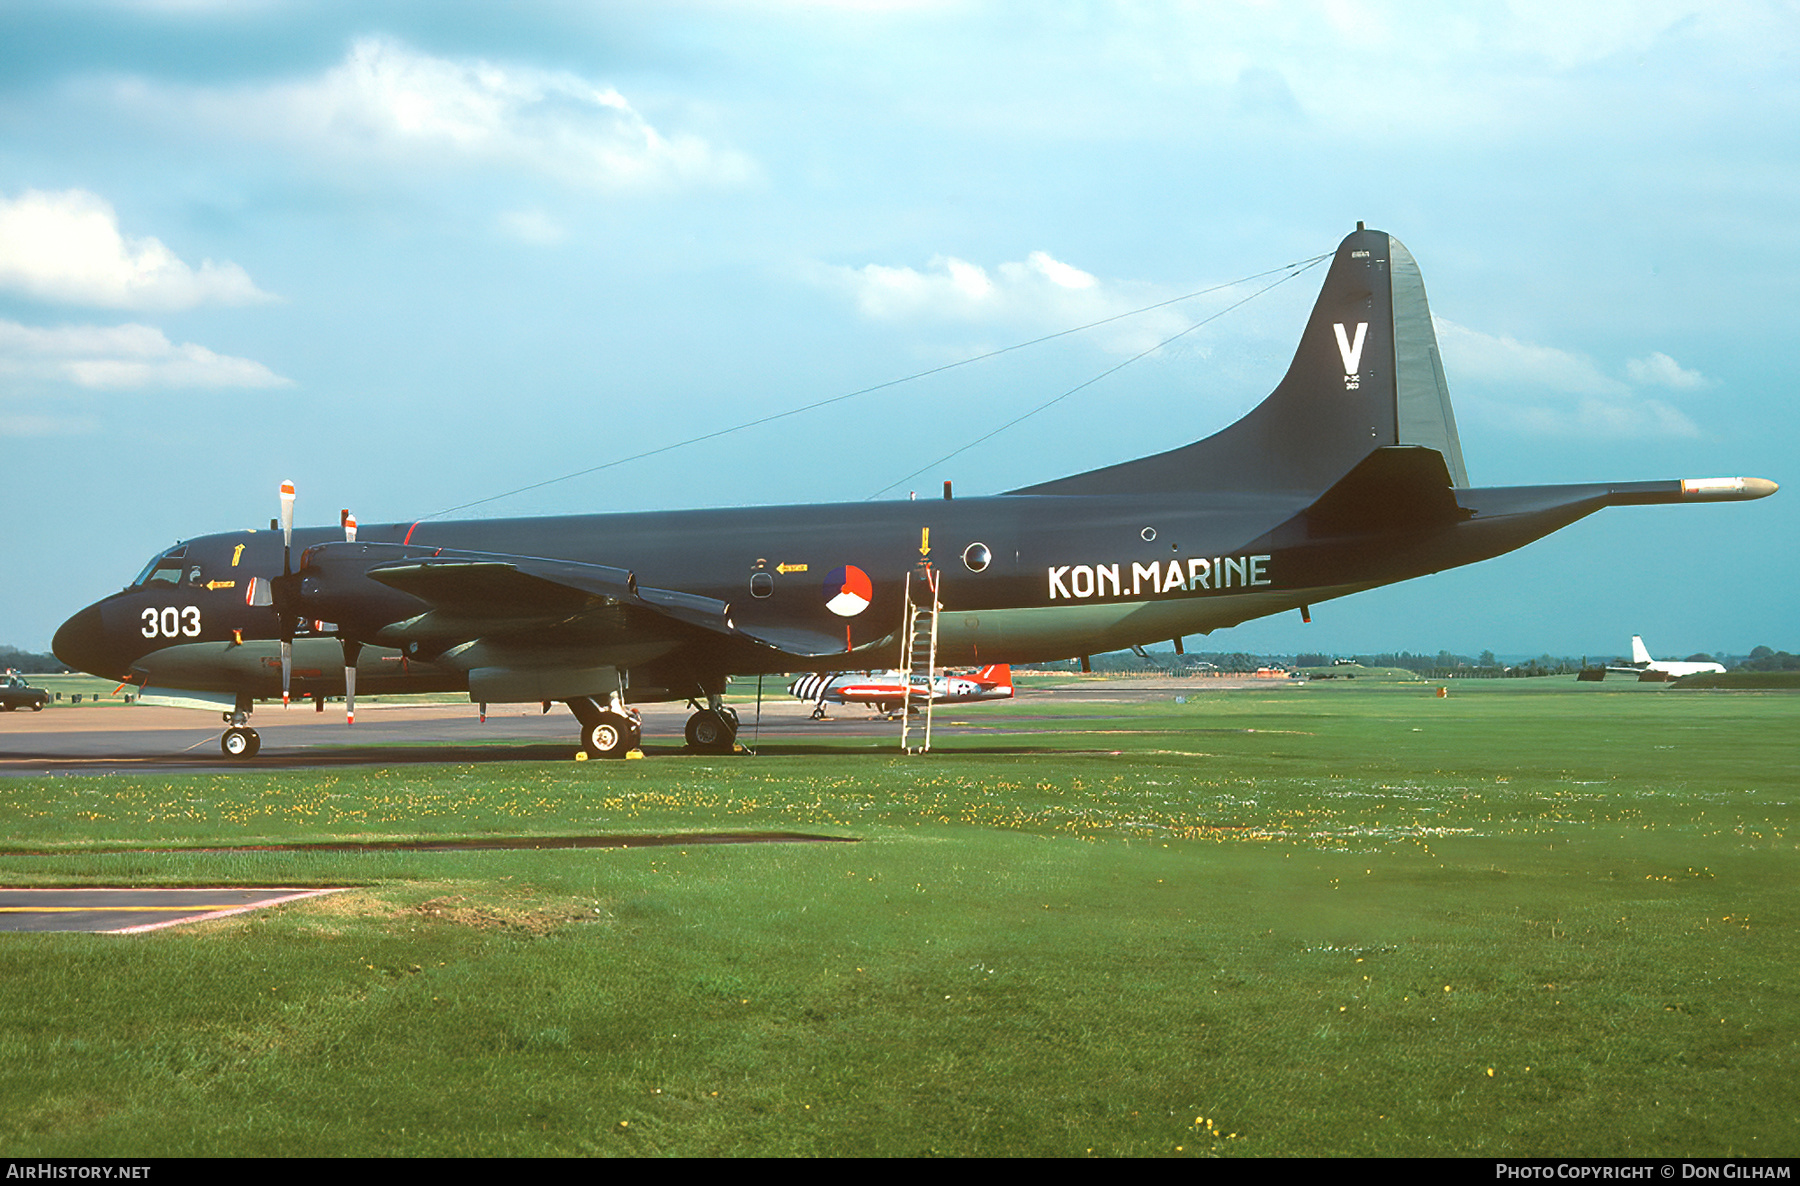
x=29, y=661
x=1442, y=665
x=1447, y=665
x=1764, y=659
x=1163, y=662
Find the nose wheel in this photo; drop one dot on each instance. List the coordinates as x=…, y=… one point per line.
x=240, y=742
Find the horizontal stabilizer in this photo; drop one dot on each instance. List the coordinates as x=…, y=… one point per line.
x=1397, y=488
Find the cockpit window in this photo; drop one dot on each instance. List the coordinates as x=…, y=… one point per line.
x=166, y=569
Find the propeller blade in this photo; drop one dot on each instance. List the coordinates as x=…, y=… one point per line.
x=287, y=515
x=351, y=650
x=285, y=621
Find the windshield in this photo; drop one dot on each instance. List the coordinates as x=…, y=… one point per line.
x=165, y=569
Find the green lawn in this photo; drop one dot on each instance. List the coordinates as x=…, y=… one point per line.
x=1532, y=918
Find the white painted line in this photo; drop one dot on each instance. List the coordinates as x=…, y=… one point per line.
x=244, y=909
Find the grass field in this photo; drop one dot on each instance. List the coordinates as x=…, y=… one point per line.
x=1529, y=919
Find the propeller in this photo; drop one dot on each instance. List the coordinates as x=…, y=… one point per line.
x=288, y=617
x=351, y=649
x=287, y=622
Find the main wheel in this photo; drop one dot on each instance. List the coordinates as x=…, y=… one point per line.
x=239, y=742
x=612, y=735
x=711, y=732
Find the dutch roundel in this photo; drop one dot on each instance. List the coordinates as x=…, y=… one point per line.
x=848, y=591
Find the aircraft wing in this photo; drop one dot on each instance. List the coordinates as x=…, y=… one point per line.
x=483, y=594
x=498, y=587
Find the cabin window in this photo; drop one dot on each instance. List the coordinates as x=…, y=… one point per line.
x=977, y=557
x=761, y=584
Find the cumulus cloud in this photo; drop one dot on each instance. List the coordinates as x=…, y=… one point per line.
x=1038, y=294
x=100, y=357
x=387, y=103
x=1660, y=370
x=1552, y=392
x=66, y=247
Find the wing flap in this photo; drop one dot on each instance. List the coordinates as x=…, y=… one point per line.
x=800, y=641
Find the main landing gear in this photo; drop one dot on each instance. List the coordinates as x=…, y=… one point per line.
x=713, y=729
x=609, y=731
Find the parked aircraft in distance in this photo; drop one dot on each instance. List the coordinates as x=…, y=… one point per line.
x=1654, y=670
x=1347, y=477
x=885, y=691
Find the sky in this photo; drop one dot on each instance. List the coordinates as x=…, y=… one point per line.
x=414, y=256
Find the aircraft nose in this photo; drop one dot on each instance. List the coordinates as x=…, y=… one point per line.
x=81, y=643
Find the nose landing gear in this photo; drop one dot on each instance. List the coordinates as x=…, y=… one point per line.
x=240, y=740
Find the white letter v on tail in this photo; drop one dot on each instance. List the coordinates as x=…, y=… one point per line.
x=1352, y=354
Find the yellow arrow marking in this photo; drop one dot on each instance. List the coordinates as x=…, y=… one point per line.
x=924, y=541
x=221, y=584
x=790, y=568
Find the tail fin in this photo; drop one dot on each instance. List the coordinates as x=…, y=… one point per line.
x=995, y=675
x=1639, y=652
x=1366, y=375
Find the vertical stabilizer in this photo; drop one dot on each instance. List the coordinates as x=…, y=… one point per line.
x=1366, y=375
x=1422, y=396
x=995, y=675
x=1639, y=652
